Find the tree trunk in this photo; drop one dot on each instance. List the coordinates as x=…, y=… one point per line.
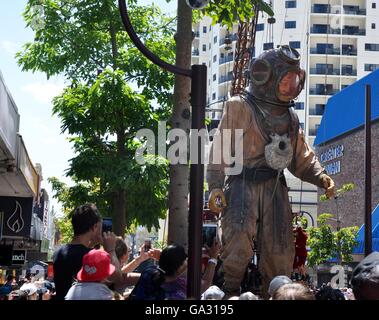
x=119, y=212
x=179, y=174
x=119, y=205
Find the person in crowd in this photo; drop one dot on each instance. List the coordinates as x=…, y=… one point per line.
x=248, y=296
x=7, y=286
x=95, y=270
x=146, y=247
x=293, y=291
x=300, y=252
x=130, y=278
x=365, y=278
x=213, y=293
x=31, y=290
x=328, y=293
x=276, y=283
x=169, y=280
x=18, y=295
x=67, y=260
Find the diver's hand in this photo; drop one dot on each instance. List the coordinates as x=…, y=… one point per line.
x=329, y=186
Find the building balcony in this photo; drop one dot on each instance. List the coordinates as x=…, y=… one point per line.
x=318, y=110
x=332, y=72
x=312, y=131
x=233, y=37
x=223, y=79
x=225, y=59
x=349, y=51
x=354, y=10
x=348, y=72
x=325, y=8
x=323, y=91
x=325, y=29
x=354, y=31
x=331, y=51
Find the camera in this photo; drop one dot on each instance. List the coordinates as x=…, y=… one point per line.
x=107, y=224
x=147, y=245
x=209, y=234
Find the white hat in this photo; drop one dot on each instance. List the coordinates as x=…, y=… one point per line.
x=276, y=283
x=29, y=288
x=213, y=293
x=248, y=296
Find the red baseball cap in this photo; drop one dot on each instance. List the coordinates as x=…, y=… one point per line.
x=96, y=266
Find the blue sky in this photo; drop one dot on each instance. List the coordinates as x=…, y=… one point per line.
x=33, y=93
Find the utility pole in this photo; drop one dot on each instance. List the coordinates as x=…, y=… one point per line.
x=368, y=208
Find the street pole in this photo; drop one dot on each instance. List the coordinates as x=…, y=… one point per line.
x=198, y=75
x=195, y=220
x=368, y=208
x=338, y=229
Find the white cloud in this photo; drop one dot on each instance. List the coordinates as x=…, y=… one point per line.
x=43, y=92
x=9, y=47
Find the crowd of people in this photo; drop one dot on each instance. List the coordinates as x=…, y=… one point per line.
x=95, y=265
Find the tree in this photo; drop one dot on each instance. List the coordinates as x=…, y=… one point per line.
x=325, y=243
x=228, y=12
x=85, y=41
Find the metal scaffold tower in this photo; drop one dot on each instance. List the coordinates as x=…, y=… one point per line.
x=244, y=48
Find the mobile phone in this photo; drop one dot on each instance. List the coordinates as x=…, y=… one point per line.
x=107, y=224
x=147, y=245
x=209, y=233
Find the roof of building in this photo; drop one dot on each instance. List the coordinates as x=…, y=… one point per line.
x=345, y=111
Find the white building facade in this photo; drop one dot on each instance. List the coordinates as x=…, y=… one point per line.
x=338, y=42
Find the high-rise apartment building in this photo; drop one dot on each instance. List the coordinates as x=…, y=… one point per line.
x=338, y=42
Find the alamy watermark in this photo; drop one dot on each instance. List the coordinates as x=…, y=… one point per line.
x=198, y=148
x=37, y=13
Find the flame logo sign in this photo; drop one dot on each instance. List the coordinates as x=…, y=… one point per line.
x=15, y=221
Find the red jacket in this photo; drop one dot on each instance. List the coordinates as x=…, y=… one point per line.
x=300, y=242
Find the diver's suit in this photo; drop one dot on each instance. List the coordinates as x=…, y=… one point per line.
x=257, y=204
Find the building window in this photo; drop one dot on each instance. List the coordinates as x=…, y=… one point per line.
x=373, y=5
x=373, y=26
x=294, y=44
x=214, y=77
x=371, y=47
x=210, y=46
x=215, y=58
x=291, y=4
x=204, y=47
x=210, y=27
x=301, y=125
x=260, y=26
x=268, y=46
x=215, y=39
x=204, y=29
x=214, y=96
x=290, y=24
x=371, y=66
x=299, y=106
